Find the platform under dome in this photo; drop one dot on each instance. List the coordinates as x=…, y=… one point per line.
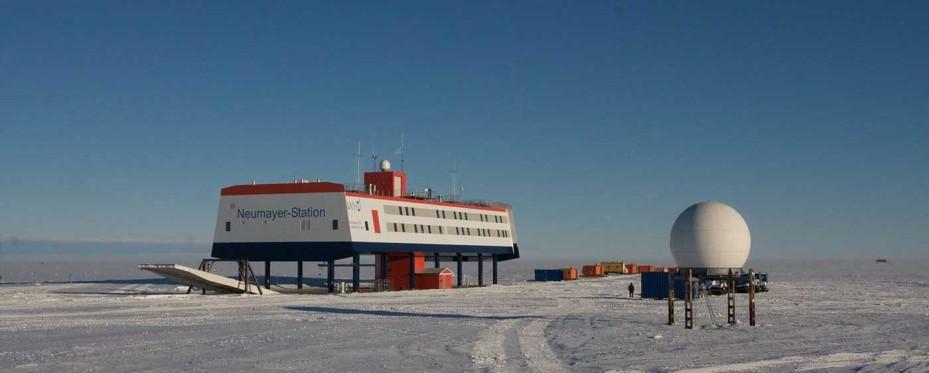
x=710, y=235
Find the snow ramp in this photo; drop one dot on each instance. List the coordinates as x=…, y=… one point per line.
x=203, y=280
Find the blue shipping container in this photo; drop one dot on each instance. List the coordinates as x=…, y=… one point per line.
x=655, y=285
x=548, y=275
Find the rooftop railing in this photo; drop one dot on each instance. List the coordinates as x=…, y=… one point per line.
x=424, y=194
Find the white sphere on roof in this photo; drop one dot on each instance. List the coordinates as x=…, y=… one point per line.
x=710, y=235
x=385, y=165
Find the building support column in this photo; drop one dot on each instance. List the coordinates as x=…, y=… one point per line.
x=267, y=274
x=480, y=269
x=459, y=274
x=494, y=256
x=412, y=271
x=330, y=276
x=355, y=273
x=437, y=260
x=300, y=274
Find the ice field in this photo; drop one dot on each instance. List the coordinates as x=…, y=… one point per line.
x=819, y=315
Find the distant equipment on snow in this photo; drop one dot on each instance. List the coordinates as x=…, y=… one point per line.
x=710, y=235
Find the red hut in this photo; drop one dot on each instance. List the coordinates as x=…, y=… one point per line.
x=434, y=278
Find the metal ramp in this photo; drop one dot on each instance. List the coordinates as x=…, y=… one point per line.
x=204, y=280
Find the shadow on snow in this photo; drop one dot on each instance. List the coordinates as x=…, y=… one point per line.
x=349, y=311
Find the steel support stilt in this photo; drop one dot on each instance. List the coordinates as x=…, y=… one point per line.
x=412, y=271
x=300, y=274
x=459, y=274
x=267, y=274
x=330, y=276
x=480, y=270
x=494, y=261
x=355, y=273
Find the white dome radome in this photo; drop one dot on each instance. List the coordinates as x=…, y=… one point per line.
x=710, y=235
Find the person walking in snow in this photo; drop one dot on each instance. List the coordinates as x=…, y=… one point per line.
x=631, y=290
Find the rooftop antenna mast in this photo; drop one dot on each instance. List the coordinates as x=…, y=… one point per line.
x=456, y=189
x=401, y=151
x=358, y=158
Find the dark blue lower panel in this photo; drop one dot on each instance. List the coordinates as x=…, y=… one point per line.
x=321, y=251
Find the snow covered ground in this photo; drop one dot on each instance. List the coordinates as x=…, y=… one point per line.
x=844, y=316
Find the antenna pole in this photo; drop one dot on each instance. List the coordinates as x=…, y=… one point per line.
x=401, y=150
x=358, y=165
x=454, y=176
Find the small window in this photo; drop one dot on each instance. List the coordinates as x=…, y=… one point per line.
x=403, y=228
x=429, y=228
x=335, y=224
x=414, y=211
x=415, y=228
x=395, y=227
x=443, y=214
x=228, y=226
x=440, y=229
x=406, y=211
x=366, y=225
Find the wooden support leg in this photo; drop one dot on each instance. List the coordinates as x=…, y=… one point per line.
x=731, y=302
x=670, y=298
x=688, y=301
x=751, y=298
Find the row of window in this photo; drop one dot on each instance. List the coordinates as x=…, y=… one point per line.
x=438, y=229
x=304, y=225
x=443, y=214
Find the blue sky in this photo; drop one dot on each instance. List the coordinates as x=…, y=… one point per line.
x=599, y=121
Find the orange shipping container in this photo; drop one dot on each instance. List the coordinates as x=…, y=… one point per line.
x=592, y=270
x=569, y=273
x=646, y=268
x=632, y=269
